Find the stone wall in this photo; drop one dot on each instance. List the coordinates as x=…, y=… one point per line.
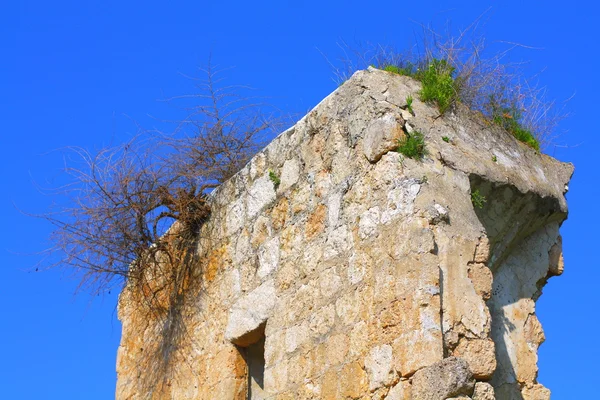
x=369, y=274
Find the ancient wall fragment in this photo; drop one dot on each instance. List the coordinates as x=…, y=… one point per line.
x=366, y=273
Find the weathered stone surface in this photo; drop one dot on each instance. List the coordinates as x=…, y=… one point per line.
x=483, y=391
x=379, y=365
x=249, y=313
x=480, y=354
x=536, y=392
x=381, y=136
x=366, y=272
x=400, y=391
x=450, y=377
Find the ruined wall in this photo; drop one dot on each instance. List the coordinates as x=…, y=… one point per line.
x=368, y=274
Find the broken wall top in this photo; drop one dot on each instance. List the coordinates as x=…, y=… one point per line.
x=367, y=272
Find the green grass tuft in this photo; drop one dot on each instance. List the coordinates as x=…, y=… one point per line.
x=446, y=139
x=438, y=84
x=409, y=101
x=392, y=68
x=413, y=146
x=509, y=121
x=275, y=179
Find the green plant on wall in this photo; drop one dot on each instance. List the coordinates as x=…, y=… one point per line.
x=275, y=179
x=438, y=84
x=509, y=120
x=409, y=102
x=412, y=145
x=478, y=199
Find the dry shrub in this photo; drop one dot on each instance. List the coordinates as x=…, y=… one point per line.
x=136, y=210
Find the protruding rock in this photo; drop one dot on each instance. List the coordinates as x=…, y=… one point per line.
x=381, y=136
x=450, y=377
x=250, y=313
x=483, y=391
x=480, y=354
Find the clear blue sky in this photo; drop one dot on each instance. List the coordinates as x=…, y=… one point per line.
x=79, y=73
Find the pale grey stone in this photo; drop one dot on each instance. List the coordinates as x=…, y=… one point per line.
x=260, y=194
x=401, y=199
x=382, y=135
x=236, y=216
x=333, y=209
x=450, y=377
x=290, y=173
x=367, y=225
x=268, y=257
x=338, y=241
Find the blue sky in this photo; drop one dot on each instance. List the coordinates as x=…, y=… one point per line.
x=84, y=73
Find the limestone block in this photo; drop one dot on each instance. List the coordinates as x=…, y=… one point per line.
x=249, y=313
x=382, y=135
x=295, y=337
x=483, y=391
x=367, y=225
x=536, y=392
x=448, y=378
x=353, y=381
x=401, y=391
x=290, y=173
x=236, y=215
x=268, y=257
x=482, y=279
x=261, y=193
x=480, y=354
x=379, y=366
x=400, y=199
x=338, y=242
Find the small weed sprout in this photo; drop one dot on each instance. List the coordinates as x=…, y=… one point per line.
x=413, y=146
x=494, y=159
x=274, y=178
x=446, y=139
x=409, y=101
x=478, y=199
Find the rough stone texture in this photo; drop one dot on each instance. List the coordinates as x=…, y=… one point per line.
x=367, y=271
x=483, y=391
x=480, y=355
x=450, y=377
x=249, y=313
